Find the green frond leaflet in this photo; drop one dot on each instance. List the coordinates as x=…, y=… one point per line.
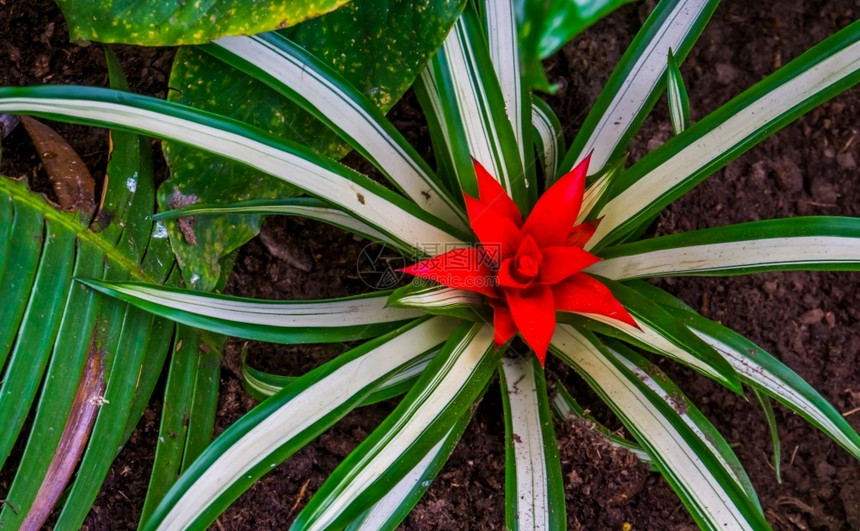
x=325, y=321
x=804, y=243
x=290, y=419
x=708, y=490
x=302, y=78
x=534, y=488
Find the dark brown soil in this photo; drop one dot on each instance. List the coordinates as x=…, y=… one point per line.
x=810, y=321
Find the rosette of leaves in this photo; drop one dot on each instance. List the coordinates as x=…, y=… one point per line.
x=434, y=343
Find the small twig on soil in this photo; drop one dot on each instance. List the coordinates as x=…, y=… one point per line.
x=300, y=496
x=851, y=412
x=793, y=455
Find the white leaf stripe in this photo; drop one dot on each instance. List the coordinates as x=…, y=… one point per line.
x=686, y=410
x=676, y=95
x=694, y=481
x=324, y=179
x=501, y=28
x=431, y=401
x=217, y=469
x=439, y=297
x=302, y=207
x=647, y=335
x=782, y=391
x=348, y=112
x=471, y=94
x=355, y=311
x=549, y=137
x=380, y=515
x=724, y=257
x=707, y=143
x=643, y=78
x=531, y=491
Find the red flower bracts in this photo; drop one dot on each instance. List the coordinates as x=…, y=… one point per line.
x=530, y=269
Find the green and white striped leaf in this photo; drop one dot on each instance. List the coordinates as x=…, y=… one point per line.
x=658, y=331
x=392, y=508
x=500, y=26
x=761, y=370
x=565, y=406
x=598, y=189
x=534, y=487
x=323, y=321
x=676, y=94
x=685, y=160
x=695, y=473
x=549, y=139
x=381, y=208
x=304, y=207
x=293, y=417
x=666, y=389
x=310, y=83
x=261, y=385
x=468, y=105
x=440, y=300
x=453, y=381
x=637, y=81
x=803, y=243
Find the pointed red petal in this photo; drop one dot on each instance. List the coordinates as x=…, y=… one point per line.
x=503, y=324
x=561, y=262
x=582, y=294
x=533, y=311
x=580, y=234
x=497, y=233
x=493, y=197
x=553, y=216
x=467, y=269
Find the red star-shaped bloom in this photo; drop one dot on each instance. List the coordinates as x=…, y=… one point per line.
x=527, y=269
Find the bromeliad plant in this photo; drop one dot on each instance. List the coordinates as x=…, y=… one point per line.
x=558, y=268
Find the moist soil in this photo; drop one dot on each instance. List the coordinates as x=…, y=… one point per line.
x=809, y=321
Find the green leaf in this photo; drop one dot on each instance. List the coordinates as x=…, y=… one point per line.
x=433, y=298
x=164, y=23
x=761, y=370
x=462, y=92
x=677, y=166
x=278, y=427
x=52, y=327
x=774, y=433
x=383, y=209
x=565, y=405
x=658, y=331
x=815, y=243
x=324, y=321
x=700, y=476
x=449, y=386
x=676, y=93
x=637, y=81
x=534, y=487
x=374, y=51
x=549, y=139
